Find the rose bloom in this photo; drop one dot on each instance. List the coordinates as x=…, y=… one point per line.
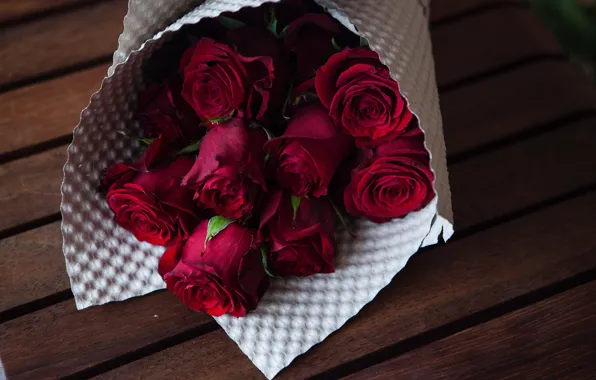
x=152, y=205
x=391, y=180
x=361, y=97
x=302, y=246
x=306, y=156
x=219, y=81
x=224, y=276
x=163, y=112
x=227, y=176
x=308, y=39
x=253, y=41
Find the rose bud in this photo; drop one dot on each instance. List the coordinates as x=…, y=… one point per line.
x=218, y=81
x=362, y=97
x=227, y=176
x=303, y=242
x=163, y=112
x=152, y=205
x=306, y=156
x=309, y=39
x=224, y=275
x=391, y=180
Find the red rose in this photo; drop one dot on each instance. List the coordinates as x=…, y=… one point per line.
x=391, y=180
x=361, y=96
x=302, y=246
x=308, y=38
x=163, y=112
x=308, y=153
x=258, y=41
x=224, y=276
x=152, y=205
x=227, y=176
x=219, y=81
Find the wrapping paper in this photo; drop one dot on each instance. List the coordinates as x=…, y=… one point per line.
x=105, y=263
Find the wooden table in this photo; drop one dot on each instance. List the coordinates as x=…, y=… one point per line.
x=513, y=295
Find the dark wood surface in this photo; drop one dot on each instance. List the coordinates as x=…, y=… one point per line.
x=511, y=295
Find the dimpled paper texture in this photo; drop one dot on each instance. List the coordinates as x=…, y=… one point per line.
x=106, y=263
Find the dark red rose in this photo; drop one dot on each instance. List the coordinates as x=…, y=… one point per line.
x=152, y=205
x=391, y=180
x=302, y=246
x=224, y=276
x=285, y=11
x=308, y=153
x=227, y=176
x=361, y=96
x=253, y=41
x=308, y=38
x=219, y=81
x=163, y=112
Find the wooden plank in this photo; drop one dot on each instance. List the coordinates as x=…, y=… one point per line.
x=60, y=40
x=31, y=187
x=512, y=103
x=32, y=266
x=554, y=338
x=445, y=9
x=77, y=339
x=437, y=287
x=19, y=9
x=490, y=40
x=21, y=353
x=34, y=114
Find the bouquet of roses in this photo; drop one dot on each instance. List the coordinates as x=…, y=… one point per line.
x=264, y=131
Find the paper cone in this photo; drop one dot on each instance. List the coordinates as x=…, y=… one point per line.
x=106, y=263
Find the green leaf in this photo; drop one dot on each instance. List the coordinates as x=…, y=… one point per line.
x=215, y=226
x=272, y=22
x=305, y=97
x=363, y=41
x=284, y=110
x=335, y=44
x=219, y=120
x=295, y=204
x=147, y=141
x=144, y=140
x=269, y=134
x=230, y=23
x=341, y=218
x=264, y=255
x=283, y=31
x=189, y=149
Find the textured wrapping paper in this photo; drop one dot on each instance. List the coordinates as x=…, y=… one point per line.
x=106, y=263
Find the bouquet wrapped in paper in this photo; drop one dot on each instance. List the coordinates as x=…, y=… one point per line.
x=272, y=164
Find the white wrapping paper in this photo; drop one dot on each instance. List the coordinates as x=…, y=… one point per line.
x=105, y=263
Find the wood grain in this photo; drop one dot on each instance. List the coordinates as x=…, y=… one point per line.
x=501, y=183
x=520, y=100
x=32, y=266
x=40, y=112
x=79, y=36
x=31, y=187
x=491, y=39
x=527, y=172
x=59, y=340
x=436, y=287
x=18, y=9
x=554, y=339
x=445, y=9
